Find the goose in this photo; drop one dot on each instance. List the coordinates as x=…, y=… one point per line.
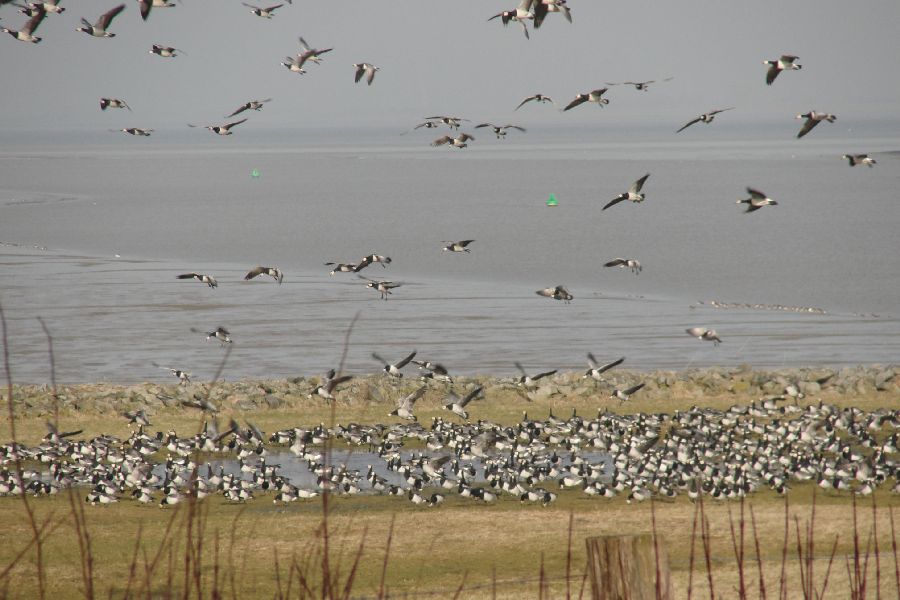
x=251, y=105
x=30, y=10
x=293, y=65
x=541, y=98
x=383, y=287
x=221, y=129
x=207, y=279
x=365, y=261
x=457, y=405
x=859, y=159
x=544, y=7
x=705, y=118
x=519, y=14
x=221, y=334
x=165, y=51
x=529, y=382
x=367, y=69
x=461, y=246
x=625, y=395
x=557, y=293
x=813, y=118
x=147, y=5
x=26, y=34
x=785, y=63
x=273, y=272
x=98, y=29
x=137, y=417
x=451, y=122
x=428, y=125
x=394, y=369
x=594, y=371
x=310, y=54
x=702, y=333
x=500, y=130
x=457, y=142
x=631, y=263
x=265, y=13
x=341, y=267
x=593, y=96
x=641, y=86
x=756, y=200
x=113, y=103
x=135, y=131
x=326, y=388
x=634, y=193
x=404, y=408
x=50, y=6
x=184, y=378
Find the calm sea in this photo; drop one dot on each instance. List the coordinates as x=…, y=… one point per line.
x=95, y=227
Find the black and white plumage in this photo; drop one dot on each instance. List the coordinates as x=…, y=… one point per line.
x=365, y=261
x=520, y=14
x=405, y=405
x=595, y=96
x=330, y=382
x=147, y=5
x=366, y=70
x=434, y=371
x=457, y=142
x=859, y=159
x=99, y=28
x=530, y=381
x=165, y=51
x=292, y=64
x=702, y=333
x=113, y=103
x=342, y=267
x=813, y=118
x=221, y=129
x=625, y=395
x=785, y=63
x=451, y=122
x=184, y=377
x=395, y=368
x=557, y=293
x=704, y=118
x=207, y=279
x=500, y=130
x=641, y=86
x=137, y=417
x=266, y=13
x=251, y=105
x=220, y=333
x=26, y=33
x=383, y=287
x=273, y=272
x=457, y=405
x=49, y=6
x=135, y=131
x=622, y=263
x=544, y=7
x=307, y=53
x=756, y=200
x=460, y=246
x=634, y=193
x=541, y=98
x=594, y=371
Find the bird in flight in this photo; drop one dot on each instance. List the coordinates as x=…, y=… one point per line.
x=220, y=129
x=541, y=98
x=520, y=14
x=148, y=5
x=273, y=272
x=630, y=263
x=207, y=279
x=702, y=333
x=165, y=51
x=634, y=193
x=557, y=293
x=251, y=105
x=366, y=70
x=595, y=371
x=461, y=246
x=265, y=13
x=756, y=200
x=785, y=63
x=500, y=130
x=593, y=96
x=99, y=28
x=859, y=159
x=705, y=118
x=26, y=33
x=813, y=118
x=457, y=142
x=113, y=103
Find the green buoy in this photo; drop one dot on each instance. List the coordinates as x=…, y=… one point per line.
x=551, y=201
x=254, y=173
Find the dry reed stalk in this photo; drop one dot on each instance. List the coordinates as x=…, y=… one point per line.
x=569, y=555
x=707, y=552
x=894, y=549
x=782, y=581
x=387, y=552
x=821, y=594
x=877, y=557
x=738, y=547
x=462, y=584
x=759, y=561
x=691, y=556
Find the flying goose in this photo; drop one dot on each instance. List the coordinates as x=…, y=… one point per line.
x=634, y=193
x=428, y=125
x=220, y=129
x=165, y=51
x=310, y=54
x=366, y=69
x=594, y=371
x=365, y=261
x=519, y=14
x=457, y=405
x=536, y=98
x=184, y=377
x=557, y=293
x=50, y=6
x=457, y=142
x=207, y=279
x=220, y=333
x=460, y=246
x=641, y=86
x=625, y=395
x=265, y=13
x=147, y=5
x=113, y=103
x=394, y=369
x=451, y=122
x=530, y=381
x=30, y=10
x=273, y=272
x=98, y=29
x=702, y=333
x=593, y=96
x=326, y=388
x=383, y=287
x=405, y=405
x=859, y=159
x=432, y=370
x=293, y=65
x=705, y=118
x=756, y=200
x=543, y=7
x=812, y=119
x=631, y=263
x=500, y=130
x=342, y=267
x=26, y=34
x=251, y=105
x=135, y=131
x=785, y=63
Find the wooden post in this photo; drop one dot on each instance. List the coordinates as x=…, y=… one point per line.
x=624, y=567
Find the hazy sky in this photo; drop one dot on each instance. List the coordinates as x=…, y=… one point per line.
x=445, y=58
